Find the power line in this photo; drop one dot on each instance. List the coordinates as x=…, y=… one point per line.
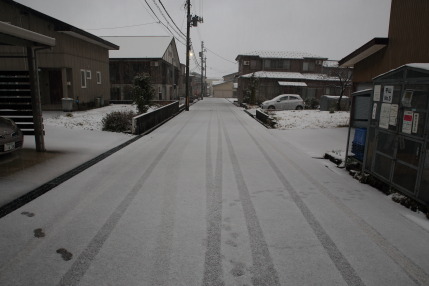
x=168, y=23
x=171, y=18
x=122, y=27
x=160, y=22
x=220, y=56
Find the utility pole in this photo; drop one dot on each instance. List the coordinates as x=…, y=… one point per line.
x=188, y=48
x=191, y=20
x=202, y=70
x=205, y=75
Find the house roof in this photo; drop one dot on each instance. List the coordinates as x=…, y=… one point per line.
x=138, y=47
x=13, y=35
x=291, y=75
x=65, y=28
x=281, y=55
x=278, y=75
x=363, y=52
x=419, y=66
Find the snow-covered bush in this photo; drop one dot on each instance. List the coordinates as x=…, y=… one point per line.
x=118, y=121
x=142, y=92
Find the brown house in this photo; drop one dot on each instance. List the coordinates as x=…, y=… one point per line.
x=286, y=72
x=156, y=56
x=407, y=42
x=77, y=67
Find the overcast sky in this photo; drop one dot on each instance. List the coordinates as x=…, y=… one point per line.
x=327, y=28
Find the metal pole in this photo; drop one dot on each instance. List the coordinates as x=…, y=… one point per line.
x=188, y=40
x=35, y=100
x=202, y=70
x=205, y=75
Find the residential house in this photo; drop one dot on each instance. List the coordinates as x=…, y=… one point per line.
x=154, y=55
x=407, y=42
x=77, y=67
x=274, y=73
x=227, y=88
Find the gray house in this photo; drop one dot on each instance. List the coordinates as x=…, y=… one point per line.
x=77, y=67
x=154, y=55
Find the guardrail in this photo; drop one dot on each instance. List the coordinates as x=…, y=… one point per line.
x=265, y=118
x=145, y=122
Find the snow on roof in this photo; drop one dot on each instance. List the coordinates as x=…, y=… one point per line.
x=423, y=66
x=139, y=46
x=217, y=82
x=292, y=83
x=281, y=55
x=279, y=75
x=291, y=75
x=317, y=76
x=330, y=64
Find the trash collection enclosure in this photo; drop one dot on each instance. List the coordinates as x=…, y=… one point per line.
x=397, y=147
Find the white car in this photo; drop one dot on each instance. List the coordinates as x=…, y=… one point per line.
x=11, y=137
x=284, y=102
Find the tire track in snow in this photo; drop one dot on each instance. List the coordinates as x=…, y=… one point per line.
x=213, y=273
x=84, y=260
x=341, y=263
x=164, y=244
x=413, y=271
x=264, y=272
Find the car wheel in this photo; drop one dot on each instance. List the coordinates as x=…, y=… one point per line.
x=271, y=107
x=299, y=107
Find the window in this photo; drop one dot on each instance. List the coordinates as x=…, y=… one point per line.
x=88, y=74
x=308, y=66
x=277, y=64
x=98, y=77
x=253, y=64
x=83, y=78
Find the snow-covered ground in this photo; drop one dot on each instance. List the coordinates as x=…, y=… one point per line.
x=291, y=119
x=86, y=120
x=310, y=119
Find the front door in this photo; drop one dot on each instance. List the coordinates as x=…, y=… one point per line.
x=55, y=86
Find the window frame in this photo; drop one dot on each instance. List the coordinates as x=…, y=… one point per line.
x=98, y=75
x=83, y=83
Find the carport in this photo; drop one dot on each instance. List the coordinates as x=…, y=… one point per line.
x=19, y=90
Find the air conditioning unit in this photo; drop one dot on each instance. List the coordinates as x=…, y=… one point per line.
x=154, y=64
x=246, y=63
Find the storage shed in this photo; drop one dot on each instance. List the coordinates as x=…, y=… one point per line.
x=328, y=102
x=397, y=141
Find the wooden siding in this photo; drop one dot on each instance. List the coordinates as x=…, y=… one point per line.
x=408, y=41
x=70, y=53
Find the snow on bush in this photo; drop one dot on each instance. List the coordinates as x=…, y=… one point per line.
x=310, y=119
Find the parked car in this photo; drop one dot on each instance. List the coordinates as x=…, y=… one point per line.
x=284, y=102
x=11, y=137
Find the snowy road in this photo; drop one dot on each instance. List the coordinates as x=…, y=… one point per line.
x=213, y=198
